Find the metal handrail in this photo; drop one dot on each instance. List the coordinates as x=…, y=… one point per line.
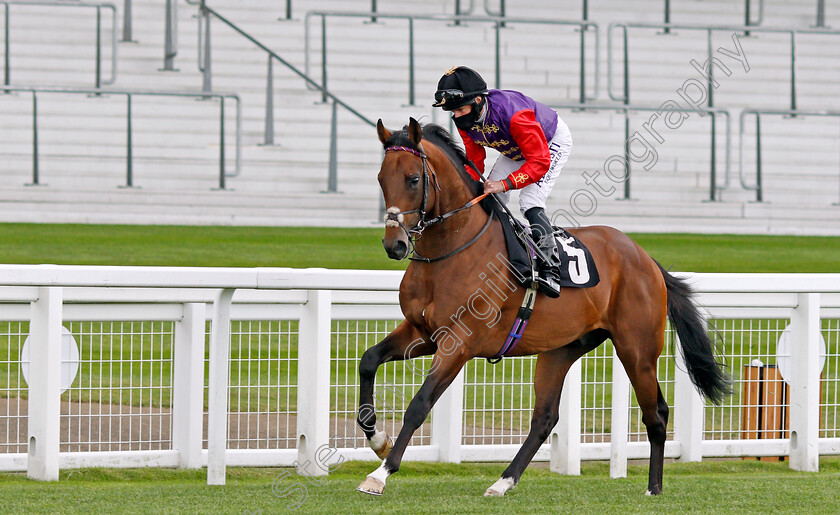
x=792, y=113
x=35, y=90
x=170, y=40
x=747, y=14
x=204, y=51
x=714, y=187
x=820, y=14
x=128, y=22
x=792, y=31
x=496, y=20
x=490, y=12
x=98, y=6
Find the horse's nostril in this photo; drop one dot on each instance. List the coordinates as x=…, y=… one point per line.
x=398, y=250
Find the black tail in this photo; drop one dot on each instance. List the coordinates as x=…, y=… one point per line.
x=706, y=373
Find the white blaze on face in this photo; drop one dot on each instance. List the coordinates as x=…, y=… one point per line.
x=389, y=222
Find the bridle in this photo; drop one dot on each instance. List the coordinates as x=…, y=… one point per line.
x=394, y=218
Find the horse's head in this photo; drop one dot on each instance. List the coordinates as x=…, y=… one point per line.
x=408, y=186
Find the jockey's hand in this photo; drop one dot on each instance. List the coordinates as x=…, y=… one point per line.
x=494, y=187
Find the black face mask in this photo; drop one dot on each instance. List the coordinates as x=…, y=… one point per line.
x=468, y=120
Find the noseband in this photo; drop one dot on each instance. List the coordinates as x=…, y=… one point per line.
x=395, y=218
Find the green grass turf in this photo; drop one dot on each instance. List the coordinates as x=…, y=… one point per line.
x=710, y=487
x=361, y=248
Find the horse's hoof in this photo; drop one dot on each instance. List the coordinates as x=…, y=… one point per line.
x=381, y=444
x=499, y=488
x=371, y=486
x=653, y=492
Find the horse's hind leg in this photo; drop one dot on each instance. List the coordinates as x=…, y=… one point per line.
x=639, y=358
x=404, y=342
x=550, y=373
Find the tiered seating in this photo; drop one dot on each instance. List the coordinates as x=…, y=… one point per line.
x=176, y=141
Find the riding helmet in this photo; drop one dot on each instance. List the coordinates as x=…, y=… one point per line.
x=458, y=87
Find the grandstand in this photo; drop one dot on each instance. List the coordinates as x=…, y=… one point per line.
x=278, y=170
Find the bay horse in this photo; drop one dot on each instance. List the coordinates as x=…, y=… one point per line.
x=456, y=313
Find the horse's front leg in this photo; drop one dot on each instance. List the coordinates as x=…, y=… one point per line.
x=443, y=371
x=404, y=342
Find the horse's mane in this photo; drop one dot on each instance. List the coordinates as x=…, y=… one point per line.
x=442, y=139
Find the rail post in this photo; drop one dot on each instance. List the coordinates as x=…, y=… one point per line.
x=565, y=436
x=45, y=384
x=688, y=419
x=620, y=418
x=217, y=396
x=188, y=385
x=805, y=385
x=446, y=421
x=314, y=384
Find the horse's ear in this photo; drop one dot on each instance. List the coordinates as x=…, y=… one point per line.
x=414, y=131
x=384, y=134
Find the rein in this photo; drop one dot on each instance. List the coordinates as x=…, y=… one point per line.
x=396, y=218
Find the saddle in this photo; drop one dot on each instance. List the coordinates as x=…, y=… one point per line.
x=577, y=267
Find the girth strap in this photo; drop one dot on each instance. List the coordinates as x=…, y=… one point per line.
x=519, y=325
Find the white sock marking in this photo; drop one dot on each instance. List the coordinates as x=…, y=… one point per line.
x=380, y=474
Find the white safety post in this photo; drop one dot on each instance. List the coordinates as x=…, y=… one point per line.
x=565, y=437
x=805, y=384
x=620, y=418
x=313, y=402
x=45, y=384
x=188, y=385
x=217, y=402
x=689, y=415
x=447, y=417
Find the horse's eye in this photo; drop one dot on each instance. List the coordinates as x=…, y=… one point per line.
x=414, y=180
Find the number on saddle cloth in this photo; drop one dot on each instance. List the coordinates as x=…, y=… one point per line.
x=577, y=267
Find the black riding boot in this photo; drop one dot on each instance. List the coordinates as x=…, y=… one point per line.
x=543, y=234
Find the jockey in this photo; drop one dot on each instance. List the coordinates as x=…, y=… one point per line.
x=534, y=144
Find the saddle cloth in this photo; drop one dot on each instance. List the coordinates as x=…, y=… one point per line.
x=577, y=268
